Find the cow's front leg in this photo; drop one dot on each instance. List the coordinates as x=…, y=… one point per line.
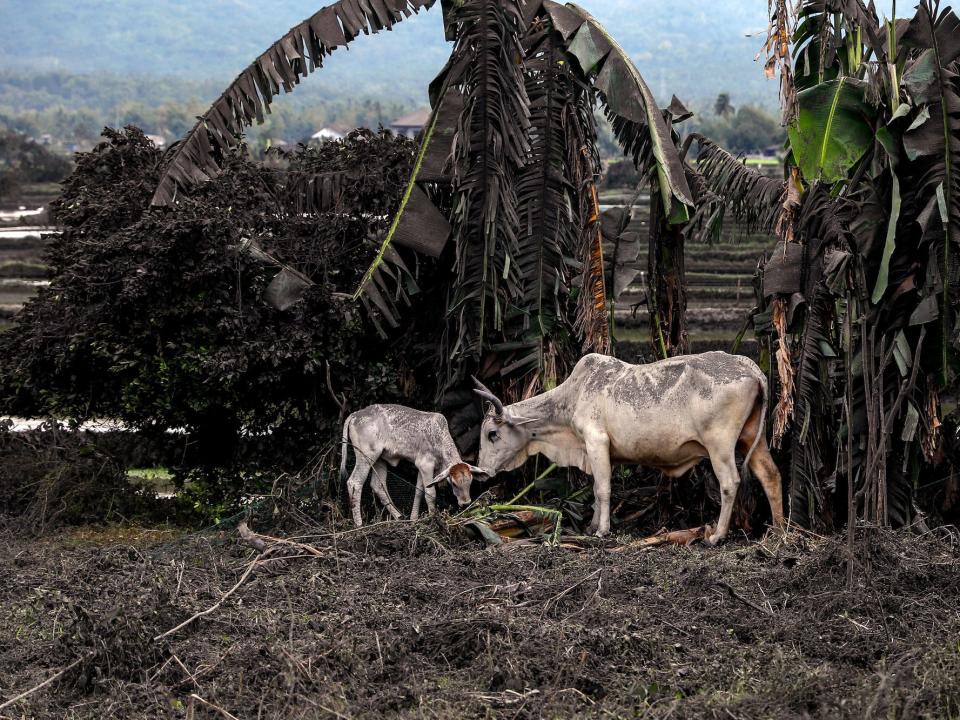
x=417, y=498
x=426, y=471
x=595, y=520
x=598, y=453
x=725, y=468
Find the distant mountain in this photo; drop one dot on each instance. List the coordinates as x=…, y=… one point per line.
x=694, y=48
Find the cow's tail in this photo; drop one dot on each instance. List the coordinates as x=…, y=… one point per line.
x=762, y=430
x=344, y=442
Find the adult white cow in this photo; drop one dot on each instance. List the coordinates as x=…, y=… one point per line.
x=669, y=415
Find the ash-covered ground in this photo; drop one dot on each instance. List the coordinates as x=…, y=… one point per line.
x=421, y=620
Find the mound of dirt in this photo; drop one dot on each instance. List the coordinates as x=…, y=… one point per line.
x=52, y=477
x=419, y=620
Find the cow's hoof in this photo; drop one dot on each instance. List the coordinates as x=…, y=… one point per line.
x=600, y=533
x=713, y=540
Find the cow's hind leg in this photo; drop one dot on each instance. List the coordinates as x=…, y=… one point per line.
x=378, y=481
x=355, y=485
x=725, y=468
x=765, y=469
x=762, y=464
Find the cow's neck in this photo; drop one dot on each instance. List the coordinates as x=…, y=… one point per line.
x=551, y=430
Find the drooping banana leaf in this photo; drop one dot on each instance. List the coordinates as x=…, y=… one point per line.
x=547, y=196
x=490, y=147
x=623, y=265
x=418, y=223
x=299, y=52
x=638, y=123
x=932, y=142
x=822, y=53
x=833, y=129
x=753, y=197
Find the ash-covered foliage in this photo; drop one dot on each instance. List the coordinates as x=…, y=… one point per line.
x=156, y=317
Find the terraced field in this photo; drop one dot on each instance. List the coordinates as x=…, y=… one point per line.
x=23, y=222
x=719, y=275
x=22, y=271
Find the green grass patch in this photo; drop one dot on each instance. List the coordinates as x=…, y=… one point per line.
x=158, y=479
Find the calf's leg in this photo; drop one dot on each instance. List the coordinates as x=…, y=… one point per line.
x=725, y=468
x=355, y=485
x=430, y=494
x=378, y=481
x=417, y=498
x=426, y=471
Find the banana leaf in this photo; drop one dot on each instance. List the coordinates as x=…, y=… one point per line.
x=284, y=64
x=833, y=130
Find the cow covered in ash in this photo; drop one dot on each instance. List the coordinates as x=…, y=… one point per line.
x=384, y=435
x=668, y=415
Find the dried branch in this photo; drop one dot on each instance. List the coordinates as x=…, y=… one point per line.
x=46, y=682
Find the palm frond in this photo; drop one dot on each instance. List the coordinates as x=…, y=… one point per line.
x=283, y=65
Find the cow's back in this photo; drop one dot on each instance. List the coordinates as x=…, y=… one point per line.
x=404, y=431
x=649, y=410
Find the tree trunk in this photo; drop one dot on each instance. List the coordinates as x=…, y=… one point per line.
x=666, y=283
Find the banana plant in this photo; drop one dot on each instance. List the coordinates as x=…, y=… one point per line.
x=504, y=187
x=866, y=277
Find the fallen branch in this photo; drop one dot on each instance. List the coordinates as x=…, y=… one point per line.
x=213, y=608
x=260, y=542
x=749, y=603
x=46, y=682
x=217, y=708
x=683, y=538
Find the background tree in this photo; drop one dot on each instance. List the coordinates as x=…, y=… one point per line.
x=722, y=106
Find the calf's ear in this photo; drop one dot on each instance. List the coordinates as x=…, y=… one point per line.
x=439, y=478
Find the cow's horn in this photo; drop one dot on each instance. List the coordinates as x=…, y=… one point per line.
x=484, y=392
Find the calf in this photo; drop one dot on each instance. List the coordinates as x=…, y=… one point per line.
x=384, y=435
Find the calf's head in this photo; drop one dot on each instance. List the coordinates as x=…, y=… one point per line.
x=504, y=436
x=460, y=476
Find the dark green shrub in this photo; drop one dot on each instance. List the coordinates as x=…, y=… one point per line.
x=155, y=318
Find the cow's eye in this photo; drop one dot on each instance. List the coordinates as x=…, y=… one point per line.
x=493, y=436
